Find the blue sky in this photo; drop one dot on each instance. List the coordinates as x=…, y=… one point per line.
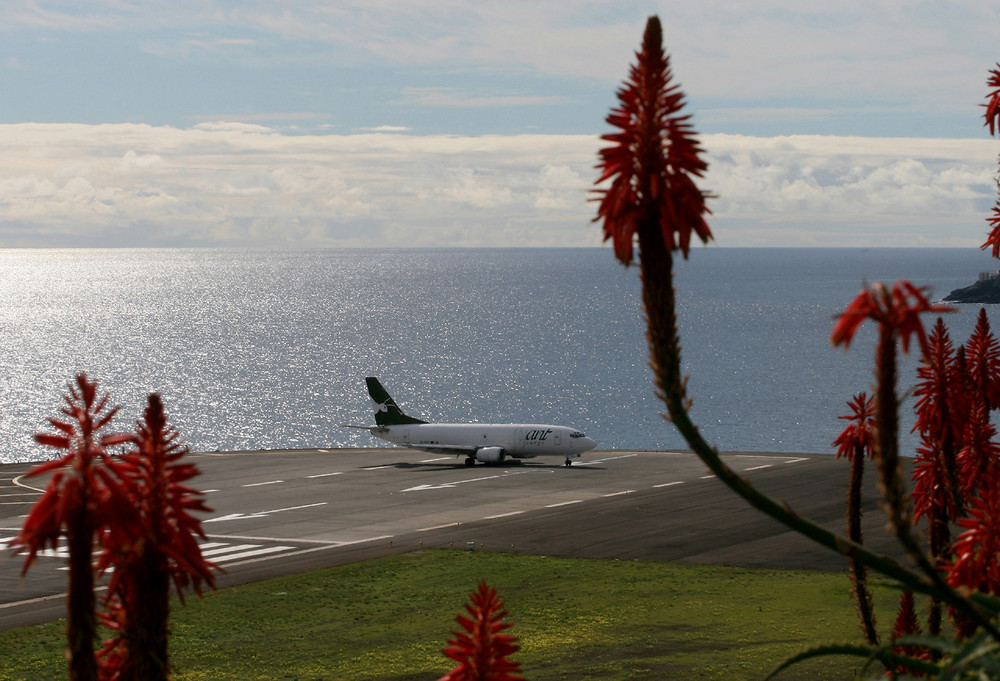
x=456, y=122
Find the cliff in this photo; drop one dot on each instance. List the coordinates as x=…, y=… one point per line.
x=982, y=292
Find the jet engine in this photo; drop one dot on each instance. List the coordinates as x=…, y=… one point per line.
x=490, y=455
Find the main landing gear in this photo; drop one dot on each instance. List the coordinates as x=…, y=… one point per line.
x=470, y=461
x=568, y=463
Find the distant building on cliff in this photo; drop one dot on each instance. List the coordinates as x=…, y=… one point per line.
x=989, y=276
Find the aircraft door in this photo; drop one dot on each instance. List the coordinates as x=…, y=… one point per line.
x=558, y=438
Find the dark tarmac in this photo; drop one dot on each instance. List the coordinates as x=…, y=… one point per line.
x=283, y=512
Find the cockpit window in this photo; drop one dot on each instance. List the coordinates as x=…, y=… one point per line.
x=577, y=433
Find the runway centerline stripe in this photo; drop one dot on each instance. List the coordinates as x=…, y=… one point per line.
x=565, y=503
x=796, y=460
x=706, y=477
x=261, y=484
x=670, y=484
x=324, y=475
x=441, y=458
x=618, y=494
x=610, y=458
x=502, y=515
x=438, y=527
x=294, y=508
x=757, y=468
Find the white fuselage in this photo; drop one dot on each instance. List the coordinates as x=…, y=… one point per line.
x=517, y=440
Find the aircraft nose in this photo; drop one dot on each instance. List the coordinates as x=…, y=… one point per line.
x=588, y=444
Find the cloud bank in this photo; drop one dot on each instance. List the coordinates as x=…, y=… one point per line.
x=238, y=184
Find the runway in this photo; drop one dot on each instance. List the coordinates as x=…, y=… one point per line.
x=281, y=512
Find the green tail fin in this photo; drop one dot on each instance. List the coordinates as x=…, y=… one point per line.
x=387, y=412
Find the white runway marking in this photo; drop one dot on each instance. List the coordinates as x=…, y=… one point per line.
x=261, y=484
x=323, y=475
x=757, y=468
x=565, y=503
x=670, y=484
x=251, y=552
x=438, y=527
x=442, y=458
x=618, y=494
x=447, y=485
x=609, y=458
x=502, y=515
x=259, y=514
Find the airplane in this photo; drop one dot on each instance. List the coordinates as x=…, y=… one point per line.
x=491, y=443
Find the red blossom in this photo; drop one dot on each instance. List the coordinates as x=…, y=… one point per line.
x=907, y=625
x=975, y=552
x=942, y=410
x=84, y=501
x=982, y=353
x=481, y=650
x=896, y=311
x=980, y=455
x=161, y=548
x=992, y=105
x=652, y=159
x=942, y=390
x=858, y=438
x=994, y=238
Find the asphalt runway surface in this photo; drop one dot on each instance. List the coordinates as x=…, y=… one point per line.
x=282, y=512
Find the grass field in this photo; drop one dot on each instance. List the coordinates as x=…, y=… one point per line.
x=576, y=619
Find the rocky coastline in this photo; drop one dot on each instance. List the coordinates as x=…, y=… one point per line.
x=983, y=292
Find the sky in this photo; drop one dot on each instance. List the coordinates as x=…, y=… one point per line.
x=401, y=123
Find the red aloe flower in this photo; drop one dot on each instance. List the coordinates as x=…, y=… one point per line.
x=982, y=353
x=481, y=650
x=907, y=625
x=163, y=547
x=84, y=498
x=994, y=237
x=652, y=160
x=897, y=312
x=857, y=438
x=979, y=458
x=857, y=442
x=975, y=552
x=897, y=309
x=992, y=105
x=942, y=409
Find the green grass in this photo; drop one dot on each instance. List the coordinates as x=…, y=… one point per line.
x=576, y=619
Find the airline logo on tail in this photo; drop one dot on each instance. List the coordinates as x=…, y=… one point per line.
x=387, y=412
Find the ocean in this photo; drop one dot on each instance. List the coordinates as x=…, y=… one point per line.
x=268, y=349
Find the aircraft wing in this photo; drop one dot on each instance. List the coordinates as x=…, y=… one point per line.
x=370, y=429
x=446, y=449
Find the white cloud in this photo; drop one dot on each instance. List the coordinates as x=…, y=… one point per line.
x=133, y=161
x=244, y=184
x=942, y=189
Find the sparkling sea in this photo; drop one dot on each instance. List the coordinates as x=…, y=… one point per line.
x=268, y=349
